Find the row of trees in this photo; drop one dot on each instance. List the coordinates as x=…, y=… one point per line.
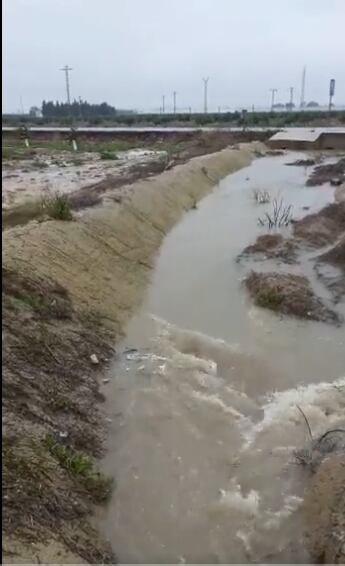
x=268, y=119
x=80, y=109
x=291, y=106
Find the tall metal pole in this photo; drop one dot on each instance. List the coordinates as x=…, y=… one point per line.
x=205, y=80
x=331, y=93
x=273, y=92
x=302, y=105
x=291, y=89
x=66, y=70
x=174, y=98
x=163, y=103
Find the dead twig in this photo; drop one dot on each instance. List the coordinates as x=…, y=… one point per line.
x=306, y=421
x=335, y=430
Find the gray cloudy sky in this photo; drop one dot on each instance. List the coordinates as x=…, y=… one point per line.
x=130, y=52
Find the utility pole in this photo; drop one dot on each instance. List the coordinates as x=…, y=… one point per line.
x=205, y=80
x=174, y=98
x=21, y=105
x=291, y=89
x=273, y=92
x=331, y=93
x=66, y=69
x=80, y=110
x=163, y=103
x=302, y=105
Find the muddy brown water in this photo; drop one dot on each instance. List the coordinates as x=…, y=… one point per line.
x=202, y=396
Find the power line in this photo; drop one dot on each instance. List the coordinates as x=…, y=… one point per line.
x=205, y=81
x=66, y=69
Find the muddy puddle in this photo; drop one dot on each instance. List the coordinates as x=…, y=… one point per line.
x=202, y=399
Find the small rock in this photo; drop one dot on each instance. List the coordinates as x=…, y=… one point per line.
x=94, y=359
x=106, y=380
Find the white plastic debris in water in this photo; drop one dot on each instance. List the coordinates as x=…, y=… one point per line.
x=133, y=356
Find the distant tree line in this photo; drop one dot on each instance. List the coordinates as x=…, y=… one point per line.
x=275, y=119
x=79, y=109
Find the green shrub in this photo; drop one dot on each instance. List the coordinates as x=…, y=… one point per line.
x=106, y=154
x=80, y=466
x=57, y=206
x=269, y=298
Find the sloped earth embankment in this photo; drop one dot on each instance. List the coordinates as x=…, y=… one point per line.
x=52, y=429
x=92, y=174
x=324, y=501
x=69, y=287
x=323, y=510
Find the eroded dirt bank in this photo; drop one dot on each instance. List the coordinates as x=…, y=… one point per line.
x=324, y=512
x=68, y=289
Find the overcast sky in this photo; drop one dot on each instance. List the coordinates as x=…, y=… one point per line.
x=131, y=52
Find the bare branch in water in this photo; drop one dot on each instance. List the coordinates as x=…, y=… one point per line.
x=306, y=421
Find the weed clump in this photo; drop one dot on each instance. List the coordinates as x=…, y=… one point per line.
x=281, y=215
x=261, y=197
x=80, y=467
x=108, y=155
x=57, y=206
x=288, y=294
x=269, y=298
